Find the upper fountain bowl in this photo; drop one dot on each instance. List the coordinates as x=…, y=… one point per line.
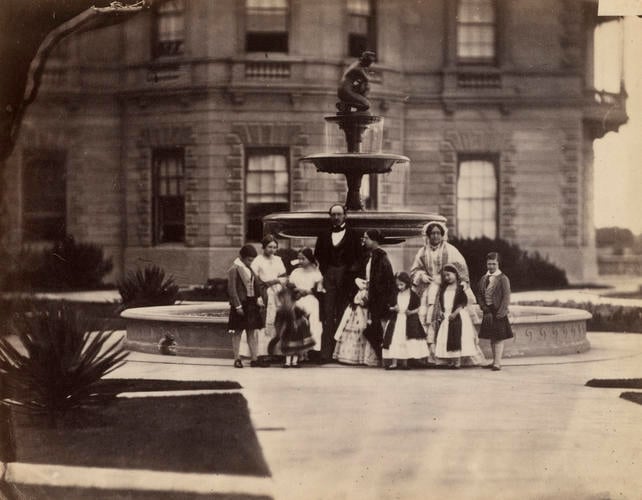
x=355, y=163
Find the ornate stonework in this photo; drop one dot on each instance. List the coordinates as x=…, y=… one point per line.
x=244, y=135
x=458, y=142
x=158, y=137
x=570, y=185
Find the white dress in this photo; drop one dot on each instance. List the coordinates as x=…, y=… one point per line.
x=309, y=279
x=268, y=269
x=428, y=262
x=352, y=348
x=469, y=343
x=402, y=347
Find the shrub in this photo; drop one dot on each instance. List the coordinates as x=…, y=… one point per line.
x=147, y=287
x=614, y=236
x=12, y=307
x=527, y=271
x=59, y=361
x=66, y=265
x=214, y=290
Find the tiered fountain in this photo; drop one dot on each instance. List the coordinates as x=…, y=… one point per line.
x=200, y=329
x=358, y=155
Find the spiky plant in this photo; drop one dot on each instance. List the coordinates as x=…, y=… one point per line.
x=147, y=287
x=56, y=361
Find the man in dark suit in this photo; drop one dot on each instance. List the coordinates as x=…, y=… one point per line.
x=338, y=252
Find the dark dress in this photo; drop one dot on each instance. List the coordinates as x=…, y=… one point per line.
x=495, y=325
x=414, y=330
x=293, y=331
x=382, y=295
x=453, y=342
x=251, y=319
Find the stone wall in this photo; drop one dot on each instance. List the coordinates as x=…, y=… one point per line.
x=107, y=103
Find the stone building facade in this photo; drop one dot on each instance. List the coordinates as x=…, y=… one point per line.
x=165, y=139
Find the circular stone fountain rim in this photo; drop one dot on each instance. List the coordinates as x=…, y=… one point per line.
x=539, y=314
x=164, y=313
x=366, y=214
x=357, y=156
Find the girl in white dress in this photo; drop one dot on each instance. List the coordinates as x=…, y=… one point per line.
x=307, y=280
x=456, y=335
x=405, y=337
x=271, y=271
x=426, y=271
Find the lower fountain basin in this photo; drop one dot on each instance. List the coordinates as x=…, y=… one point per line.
x=395, y=226
x=201, y=330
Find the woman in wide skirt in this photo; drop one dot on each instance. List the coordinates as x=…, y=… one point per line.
x=352, y=348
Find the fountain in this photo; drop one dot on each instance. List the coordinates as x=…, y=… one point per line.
x=201, y=329
x=361, y=156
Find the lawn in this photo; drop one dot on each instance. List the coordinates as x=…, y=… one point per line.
x=209, y=433
x=39, y=492
x=117, y=385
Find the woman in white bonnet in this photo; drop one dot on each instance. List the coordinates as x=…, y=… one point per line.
x=426, y=270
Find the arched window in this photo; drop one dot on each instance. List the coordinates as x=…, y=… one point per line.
x=476, y=31
x=168, y=191
x=477, y=199
x=44, y=196
x=169, y=28
x=266, y=25
x=267, y=187
x=362, y=27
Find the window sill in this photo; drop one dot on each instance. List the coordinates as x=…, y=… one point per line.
x=170, y=246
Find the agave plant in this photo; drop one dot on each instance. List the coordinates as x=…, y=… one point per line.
x=56, y=361
x=147, y=287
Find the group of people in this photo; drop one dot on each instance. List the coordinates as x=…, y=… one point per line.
x=343, y=303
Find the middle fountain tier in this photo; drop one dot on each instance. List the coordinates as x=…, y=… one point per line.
x=361, y=143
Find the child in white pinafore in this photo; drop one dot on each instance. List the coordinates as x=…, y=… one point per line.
x=405, y=337
x=456, y=339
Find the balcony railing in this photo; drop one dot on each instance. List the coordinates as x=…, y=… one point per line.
x=166, y=48
x=603, y=97
x=267, y=70
x=478, y=80
x=606, y=111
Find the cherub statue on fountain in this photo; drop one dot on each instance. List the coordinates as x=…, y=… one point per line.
x=354, y=87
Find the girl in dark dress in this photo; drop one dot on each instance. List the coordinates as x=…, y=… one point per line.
x=494, y=297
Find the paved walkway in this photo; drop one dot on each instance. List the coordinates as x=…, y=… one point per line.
x=532, y=430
